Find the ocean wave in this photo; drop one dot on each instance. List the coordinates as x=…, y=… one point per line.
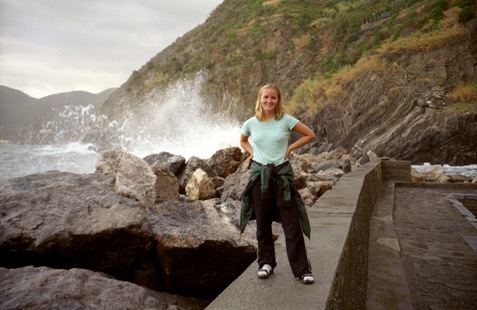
x=72, y=147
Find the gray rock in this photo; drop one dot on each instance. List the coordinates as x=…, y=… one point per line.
x=44, y=288
x=134, y=178
x=191, y=166
x=363, y=159
x=175, y=163
x=235, y=184
x=167, y=184
x=226, y=161
x=218, y=183
x=317, y=167
x=199, y=245
x=66, y=220
x=346, y=166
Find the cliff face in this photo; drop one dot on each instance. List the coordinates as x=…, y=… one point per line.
x=401, y=110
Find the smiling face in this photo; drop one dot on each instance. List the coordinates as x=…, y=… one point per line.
x=269, y=103
x=269, y=100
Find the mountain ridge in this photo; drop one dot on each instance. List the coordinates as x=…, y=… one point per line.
x=22, y=117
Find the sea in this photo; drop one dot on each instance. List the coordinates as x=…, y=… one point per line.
x=21, y=160
x=176, y=121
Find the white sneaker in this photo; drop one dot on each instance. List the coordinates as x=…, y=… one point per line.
x=265, y=271
x=307, y=279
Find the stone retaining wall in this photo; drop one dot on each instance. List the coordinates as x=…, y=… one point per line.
x=348, y=290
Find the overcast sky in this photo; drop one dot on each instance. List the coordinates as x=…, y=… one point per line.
x=53, y=46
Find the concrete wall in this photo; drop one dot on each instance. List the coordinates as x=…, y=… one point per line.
x=348, y=289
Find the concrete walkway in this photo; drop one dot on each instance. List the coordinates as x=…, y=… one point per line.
x=438, y=245
x=363, y=258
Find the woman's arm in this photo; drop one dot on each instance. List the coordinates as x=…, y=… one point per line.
x=307, y=136
x=246, y=146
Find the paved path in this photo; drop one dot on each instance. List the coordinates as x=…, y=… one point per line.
x=438, y=251
x=437, y=255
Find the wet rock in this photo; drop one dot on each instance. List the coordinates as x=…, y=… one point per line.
x=198, y=245
x=226, y=161
x=133, y=176
x=167, y=184
x=429, y=173
x=175, y=163
x=458, y=178
x=44, y=288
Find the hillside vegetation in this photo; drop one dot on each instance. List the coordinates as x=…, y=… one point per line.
x=436, y=26
x=246, y=43
x=318, y=52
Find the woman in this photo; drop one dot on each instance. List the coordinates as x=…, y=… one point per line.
x=270, y=194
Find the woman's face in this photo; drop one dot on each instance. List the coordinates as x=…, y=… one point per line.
x=269, y=100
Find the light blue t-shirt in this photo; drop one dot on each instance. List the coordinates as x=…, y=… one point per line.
x=269, y=139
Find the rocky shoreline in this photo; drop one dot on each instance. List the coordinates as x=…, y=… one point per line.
x=141, y=233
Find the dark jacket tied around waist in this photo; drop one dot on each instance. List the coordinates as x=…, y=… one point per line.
x=284, y=193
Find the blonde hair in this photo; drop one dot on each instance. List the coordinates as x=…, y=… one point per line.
x=279, y=108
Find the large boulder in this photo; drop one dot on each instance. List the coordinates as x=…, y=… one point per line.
x=199, y=245
x=429, y=173
x=200, y=186
x=226, y=161
x=235, y=183
x=44, y=288
x=66, y=220
x=133, y=176
x=175, y=163
x=167, y=184
x=191, y=166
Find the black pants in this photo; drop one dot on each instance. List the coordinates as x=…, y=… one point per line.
x=265, y=208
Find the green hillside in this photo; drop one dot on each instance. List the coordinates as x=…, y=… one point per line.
x=289, y=41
